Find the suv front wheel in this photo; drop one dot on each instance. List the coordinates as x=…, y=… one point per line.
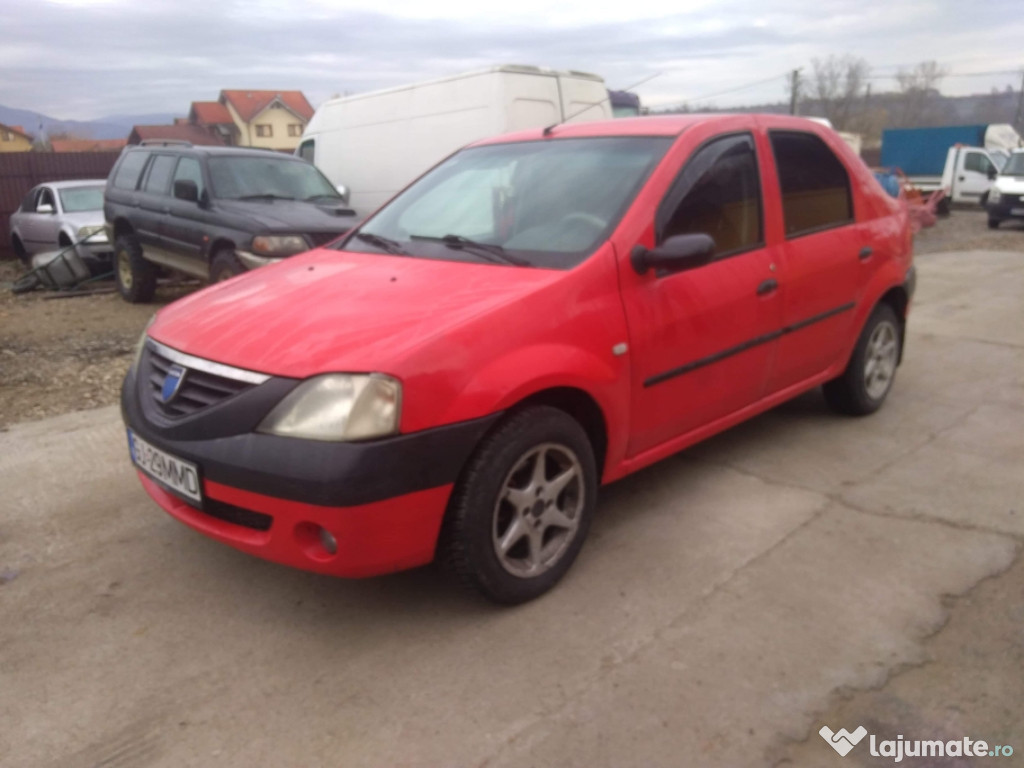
x=224, y=266
x=136, y=277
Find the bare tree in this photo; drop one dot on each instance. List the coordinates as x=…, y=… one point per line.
x=837, y=86
x=918, y=94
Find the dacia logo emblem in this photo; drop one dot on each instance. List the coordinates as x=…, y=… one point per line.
x=172, y=383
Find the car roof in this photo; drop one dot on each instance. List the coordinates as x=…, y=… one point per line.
x=74, y=183
x=661, y=125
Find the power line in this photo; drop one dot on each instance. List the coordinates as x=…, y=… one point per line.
x=737, y=89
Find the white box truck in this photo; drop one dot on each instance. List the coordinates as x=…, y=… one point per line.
x=374, y=144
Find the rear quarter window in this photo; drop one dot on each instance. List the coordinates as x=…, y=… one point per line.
x=814, y=184
x=127, y=174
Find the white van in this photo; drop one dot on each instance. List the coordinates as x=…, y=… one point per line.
x=375, y=143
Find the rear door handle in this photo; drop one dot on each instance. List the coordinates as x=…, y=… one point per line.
x=865, y=253
x=767, y=287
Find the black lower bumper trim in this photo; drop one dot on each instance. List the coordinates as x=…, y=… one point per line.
x=315, y=472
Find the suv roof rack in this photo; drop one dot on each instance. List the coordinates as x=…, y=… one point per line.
x=164, y=143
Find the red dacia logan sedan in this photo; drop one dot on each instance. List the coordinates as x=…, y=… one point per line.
x=539, y=314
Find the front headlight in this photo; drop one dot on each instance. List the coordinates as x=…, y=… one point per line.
x=994, y=195
x=84, y=232
x=279, y=245
x=338, y=407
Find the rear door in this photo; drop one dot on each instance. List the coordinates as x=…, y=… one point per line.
x=701, y=341
x=822, y=256
x=154, y=203
x=185, y=221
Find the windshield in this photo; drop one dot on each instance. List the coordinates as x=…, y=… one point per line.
x=1015, y=165
x=78, y=199
x=538, y=203
x=236, y=178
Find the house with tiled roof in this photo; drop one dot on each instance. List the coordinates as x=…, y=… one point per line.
x=267, y=119
x=193, y=134
x=14, y=139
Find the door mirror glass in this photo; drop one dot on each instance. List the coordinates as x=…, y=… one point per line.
x=186, y=189
x=676, y=254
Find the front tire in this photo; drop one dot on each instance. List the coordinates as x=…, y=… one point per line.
x=993, y=223
x=224, y=266
x=136, y=277
x=522, y=508
x=864, y=385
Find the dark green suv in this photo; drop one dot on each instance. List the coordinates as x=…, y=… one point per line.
x=213, y=212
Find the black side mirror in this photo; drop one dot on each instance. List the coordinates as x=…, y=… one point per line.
x=186, y=189
x=676, y=254
x=992, y=173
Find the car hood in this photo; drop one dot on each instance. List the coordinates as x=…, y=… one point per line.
x=328, y=310
x=83, y=218
x=1010, y=185
x=289, y=215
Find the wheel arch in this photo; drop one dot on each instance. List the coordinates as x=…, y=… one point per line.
x=582, y=407
x=897, y=298
x=218, y=245
x=122, y=227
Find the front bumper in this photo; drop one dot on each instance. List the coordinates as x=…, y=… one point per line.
x=1008, y=207
x=382, y=500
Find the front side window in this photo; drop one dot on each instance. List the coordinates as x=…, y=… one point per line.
x=269, y=177
x=1015, y=165
x=75, y=199
x=46, y=198
x=307, y=150
x=539, y=203
x=814, y=184
x=188, y=170
x=976, y=161
x=718, y=193
x=158, y=180
x=127, y=176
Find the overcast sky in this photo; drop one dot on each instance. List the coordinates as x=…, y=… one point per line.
x=83, y=59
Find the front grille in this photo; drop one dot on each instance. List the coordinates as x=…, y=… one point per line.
x=323, y=238
x=237, y=515
x=199, y=389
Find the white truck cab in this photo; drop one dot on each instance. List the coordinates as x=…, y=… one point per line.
x=966, y=177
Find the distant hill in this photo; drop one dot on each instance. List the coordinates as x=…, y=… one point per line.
x=112, y=127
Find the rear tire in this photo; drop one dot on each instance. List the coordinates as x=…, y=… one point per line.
x=864, y=385
x=136, y=277
x=522, y=508
x=224, y=266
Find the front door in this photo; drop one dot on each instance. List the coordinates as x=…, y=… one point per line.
x=974, y=176
x=702, y=340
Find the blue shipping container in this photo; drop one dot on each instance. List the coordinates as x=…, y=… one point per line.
x=922, y=151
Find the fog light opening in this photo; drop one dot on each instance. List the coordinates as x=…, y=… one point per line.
x=328, y=542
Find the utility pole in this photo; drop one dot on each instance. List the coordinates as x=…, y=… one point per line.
x=1018, y=119
x=794, y=90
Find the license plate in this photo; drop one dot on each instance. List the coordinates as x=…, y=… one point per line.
x=1017, y=211
x=178, y=475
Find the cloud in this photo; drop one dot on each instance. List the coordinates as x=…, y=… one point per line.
x=87, y=58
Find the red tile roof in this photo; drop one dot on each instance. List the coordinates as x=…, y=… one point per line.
x=191, y=133
x=87, y=145
x=248, y=104
x=210, y=113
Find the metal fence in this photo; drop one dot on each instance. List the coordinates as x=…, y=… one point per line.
x=20, y=171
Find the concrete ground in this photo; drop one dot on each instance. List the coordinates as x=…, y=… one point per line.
x=800, y=570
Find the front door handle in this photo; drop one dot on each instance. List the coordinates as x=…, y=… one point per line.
x=766, y=287
x=865, y=253
x=963, y=178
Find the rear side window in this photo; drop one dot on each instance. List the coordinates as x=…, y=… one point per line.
x=815, y=186
x=718, y=194
x=158, y=180
x=127, y=176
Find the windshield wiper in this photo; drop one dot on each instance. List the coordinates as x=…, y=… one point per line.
x=384, y=243
x=493, y=253
x=311, y=198
x=265, y=196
